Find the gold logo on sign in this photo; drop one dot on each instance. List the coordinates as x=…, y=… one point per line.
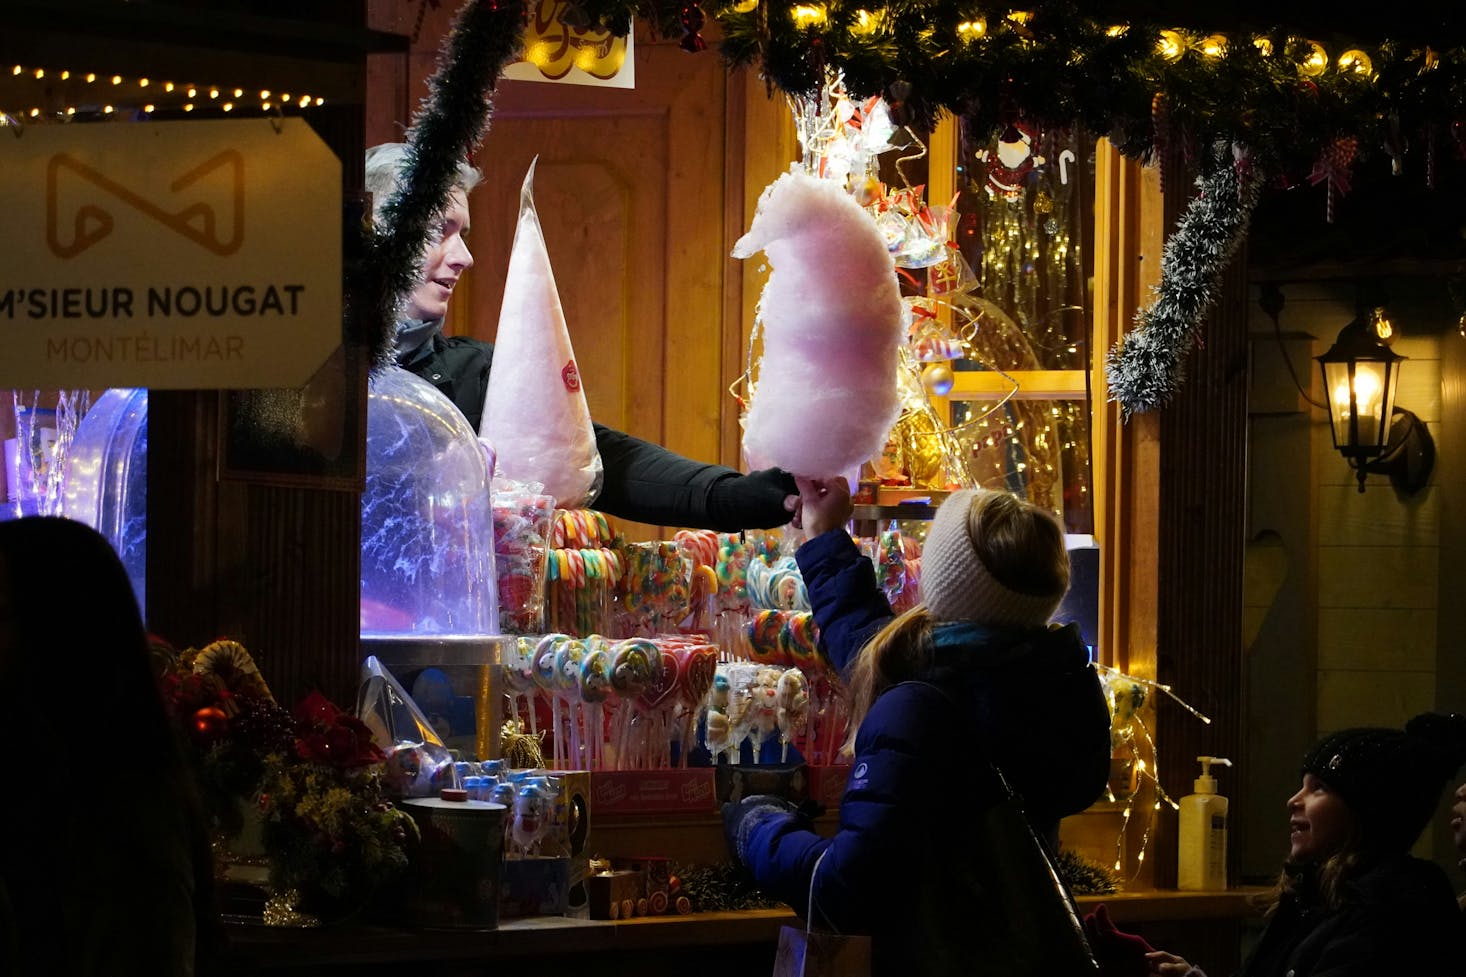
x=554, y=47
x=197, y=221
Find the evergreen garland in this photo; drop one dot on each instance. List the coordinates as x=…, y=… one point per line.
x=1148, y=364
x=487, y=35
x=722, y=887
x=1084, y=878
x=1273, y=91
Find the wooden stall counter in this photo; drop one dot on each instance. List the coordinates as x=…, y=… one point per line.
x=708, y=944
x=1203, y=926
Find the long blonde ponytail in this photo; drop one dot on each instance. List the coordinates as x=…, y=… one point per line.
x=900, y=651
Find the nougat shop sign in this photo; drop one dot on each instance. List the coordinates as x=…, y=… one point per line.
x=168, y=255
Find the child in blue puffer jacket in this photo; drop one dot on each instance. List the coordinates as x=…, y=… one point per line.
x=973, y=673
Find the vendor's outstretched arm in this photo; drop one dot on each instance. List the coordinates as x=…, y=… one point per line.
x=647, y=483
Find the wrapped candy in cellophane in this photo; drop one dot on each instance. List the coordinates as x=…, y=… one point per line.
x=523, y=516
x=418, y=764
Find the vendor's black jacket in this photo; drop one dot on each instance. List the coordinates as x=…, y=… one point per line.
x=643, y=481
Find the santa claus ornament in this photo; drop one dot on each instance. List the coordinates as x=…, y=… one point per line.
x=1010, y=165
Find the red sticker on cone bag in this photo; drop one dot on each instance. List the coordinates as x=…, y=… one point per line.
x=571, y=376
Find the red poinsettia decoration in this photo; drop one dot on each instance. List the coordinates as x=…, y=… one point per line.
x=327, y=735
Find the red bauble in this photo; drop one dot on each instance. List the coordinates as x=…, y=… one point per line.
x=210, y=723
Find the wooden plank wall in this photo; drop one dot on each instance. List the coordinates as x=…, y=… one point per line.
x=1203, y=484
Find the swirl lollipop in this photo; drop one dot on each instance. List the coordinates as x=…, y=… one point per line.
x=595, y=688
x=519, y=677
x=719, y=704
x=546, y=675
x=634, y=662
x=792, y=711
x=696, y=667
x=800, y=642
x=765, y=638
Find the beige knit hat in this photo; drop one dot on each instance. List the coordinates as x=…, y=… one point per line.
x=956, y=585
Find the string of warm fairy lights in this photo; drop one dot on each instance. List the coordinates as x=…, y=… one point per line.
x=107, y=95
x=1127, y=694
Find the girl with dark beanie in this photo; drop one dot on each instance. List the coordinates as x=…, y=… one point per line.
x=1352, y=901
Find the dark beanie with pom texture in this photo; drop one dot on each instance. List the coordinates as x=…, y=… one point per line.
x=1390, y=778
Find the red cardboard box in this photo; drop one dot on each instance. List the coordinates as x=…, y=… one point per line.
x=827, y=784
x=616, y=793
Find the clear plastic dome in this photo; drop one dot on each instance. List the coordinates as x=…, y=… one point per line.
x=427, y=530
x=106, y=480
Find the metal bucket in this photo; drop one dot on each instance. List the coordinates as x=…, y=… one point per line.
x=455, y=878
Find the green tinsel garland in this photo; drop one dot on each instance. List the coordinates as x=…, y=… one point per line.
x=486, y=36
x=722, y=887
x=1084, y=878
x=1146, y=367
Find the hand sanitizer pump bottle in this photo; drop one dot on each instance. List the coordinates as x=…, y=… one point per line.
x=1202, y=846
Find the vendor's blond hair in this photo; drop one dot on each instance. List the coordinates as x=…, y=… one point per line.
x=384, y=166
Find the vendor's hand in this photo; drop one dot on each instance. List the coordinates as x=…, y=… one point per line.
x=759, y=500
x=1167, y=964
x=824, y=504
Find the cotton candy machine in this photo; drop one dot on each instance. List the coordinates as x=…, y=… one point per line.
x=429, y=604
x=106, y=480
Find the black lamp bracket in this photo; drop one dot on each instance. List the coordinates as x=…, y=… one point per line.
x=1408, y=457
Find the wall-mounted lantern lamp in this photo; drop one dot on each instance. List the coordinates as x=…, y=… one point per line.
x=1360, y=372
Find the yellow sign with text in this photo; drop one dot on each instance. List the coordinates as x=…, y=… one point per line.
x=555, y=51
x=171, y=255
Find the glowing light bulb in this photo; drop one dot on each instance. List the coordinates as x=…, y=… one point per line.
x=265, y=93
x=305, y=100
x=320, y=101
x=239, y=93
x=265, y=105
x=168, y=86
x=1214, y=45
x=40, y=72
x=807, y=16
x=1357, y=62
x=1315, y=61
x=143, y=83
x=1384, y=329
x=972, y=30
x=1116, y=30
x=193, y=93
x=16, y=70
x=865, y=22
x=745, y=6
x=116, y=79
x=213, y=93
x=35, y=112
x=71, y=110
x=188, y=106
x=149, y=108
x=228, y=106
x=107, y=109
x=65, y=75
x=1171, y=44
x=91, y=77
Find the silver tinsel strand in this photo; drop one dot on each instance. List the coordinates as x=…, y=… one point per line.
x=1148, y=365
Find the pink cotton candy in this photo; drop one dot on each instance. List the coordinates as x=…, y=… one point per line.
x=826, y=395
x=535, y=413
